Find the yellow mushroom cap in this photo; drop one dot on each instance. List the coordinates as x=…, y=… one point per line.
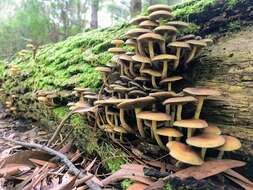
x=117, y=50
x=180, y=100
x=117, y=42
x=125, y=57
x=191, y=123
x=156, y=15
x=141, y=59
x=169, y=132
x=138, y=20
x=137, y=93
x=153, y=116
x=206, y=141
x=201, y=91
x=163, y=95
x=212, y=129
x=184, y=153
x=231, y=143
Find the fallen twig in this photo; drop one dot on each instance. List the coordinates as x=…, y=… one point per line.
x=72, y=168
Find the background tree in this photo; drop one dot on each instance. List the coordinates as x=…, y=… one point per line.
x=135, y=7
x=94, y=14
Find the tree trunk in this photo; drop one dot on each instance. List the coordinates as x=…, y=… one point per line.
x=135, y=7
x=94, y=14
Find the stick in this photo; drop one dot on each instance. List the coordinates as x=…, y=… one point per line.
x=72, y=168
x=59, y=128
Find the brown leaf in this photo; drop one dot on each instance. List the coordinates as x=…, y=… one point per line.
x=88, y=168
x=66, y=185
x=13, y=169
x=241, y=183
x=238, y=176
x=24, y=156
x=66, y=148
x=209, y=168
x=43, y=162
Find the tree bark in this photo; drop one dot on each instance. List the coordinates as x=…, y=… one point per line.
x=135, y=7
x=94, y=14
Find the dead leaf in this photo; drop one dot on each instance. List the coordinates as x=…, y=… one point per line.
x=43, y=162
x=65, y=185
x=66, y=148
x=209, y=168
x=241, y=183
x=238, y=176
x=88, y=168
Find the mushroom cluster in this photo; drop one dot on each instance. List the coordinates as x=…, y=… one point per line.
x=46, y=98
x=142, y=96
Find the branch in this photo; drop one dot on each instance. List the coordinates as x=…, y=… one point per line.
x=72, y=168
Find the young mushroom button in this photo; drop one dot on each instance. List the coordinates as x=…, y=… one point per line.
x=184, y=153
x=205, y=141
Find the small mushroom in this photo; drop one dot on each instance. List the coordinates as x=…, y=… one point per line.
x=179, y=46
x=201, y=94
x=160, y=16
x=127, y=65
x=153, y=75
x=154, y=117
x=191, y=124
x=151, y=38
x=167, y=31
x=13, y=110
x=184, y=153
x=165, y=59
x=105, y=72
x=143, y=60
x=212, y=129
x=117, y=43
x=195, y=46
x=116, y=50
x=138, y=20
x=205, y=141
x=169, y=132
x=231, y=144
x=169, y=81
x=148, y=24
x=137, y=105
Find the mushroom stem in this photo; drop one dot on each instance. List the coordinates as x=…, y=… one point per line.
x=81, y=98
x=157, y=138
x=178, y=58
x=220, y=155
x=179, y=112
x=107, y=116
x=169, y=86
x=151, y=49
x=162, y=46
x=170, y=139
x=139, y=48
x=189, y=132
x=131, y=68
x=165, y=69
x=192, y=54
x=123, y=121
x=153, y=82
x=121, y=69
x=139, y=123
x=203, y=153
x=199, y=107
x=104, y=79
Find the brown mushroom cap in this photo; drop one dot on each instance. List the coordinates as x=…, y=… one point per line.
x=79, y=89
x=163, y=95
x=138, y=20
x=179, y=45
x=184, y=153
x=159, y=7
x=117, y=42
x=115, y=58
x=207, y=41
x=191, y=123
x=116, y=50
x=178, y=24
x=165, y=29
x=125, y=57
x=137, y=93
x=150, y=36
x=91, y=97
x=136, y=103
x=111, y=101
x=141, y=79
x=130, y=42
x=135, y=32
x=119, y=130
x=153, y=116
x=121, y=89
x=198, y=43
x=156, y=15
x=125, y=78
x=141, y=59
x=164, y=57
x=170, y=79
x=151, y=72
x=206, y=141
x=169, y=132
x=200, y=91
x=180, y=100
x=212, y=129
x=103, y=69
x=148, y=24
x=231, y=143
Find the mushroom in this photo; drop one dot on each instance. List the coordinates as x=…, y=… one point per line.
x=143, y=60
x=154, y=117
x=13, y=110
x=116, y=50
x=138, y=20
x=150, y=38
x=79, y=92
x=179, y=101
x=231, y=144
x=169, y=132
x=159, y=7
x=127, y=65
x=200, y=93
x=137, y=105
x=121, y=131
x=165, y=58
x=117, y=43
x=179, y=46
x=212, y=129
x=184, y=153
x=160, y=16
x=132, y=43
x=205, y=141
x=121, y=90
x=195, y=45
x=191, y=124
x=153, y=75
x=167, y=31
x=137, y=93
x=148, y=24
x=105, y=71
x=169, y=81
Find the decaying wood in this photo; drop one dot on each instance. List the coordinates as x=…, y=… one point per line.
x=72, y=168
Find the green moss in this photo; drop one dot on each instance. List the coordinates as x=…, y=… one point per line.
x=126, y=183
x=60, y=112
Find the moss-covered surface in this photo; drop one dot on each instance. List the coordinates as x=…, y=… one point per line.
x=70, y=63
